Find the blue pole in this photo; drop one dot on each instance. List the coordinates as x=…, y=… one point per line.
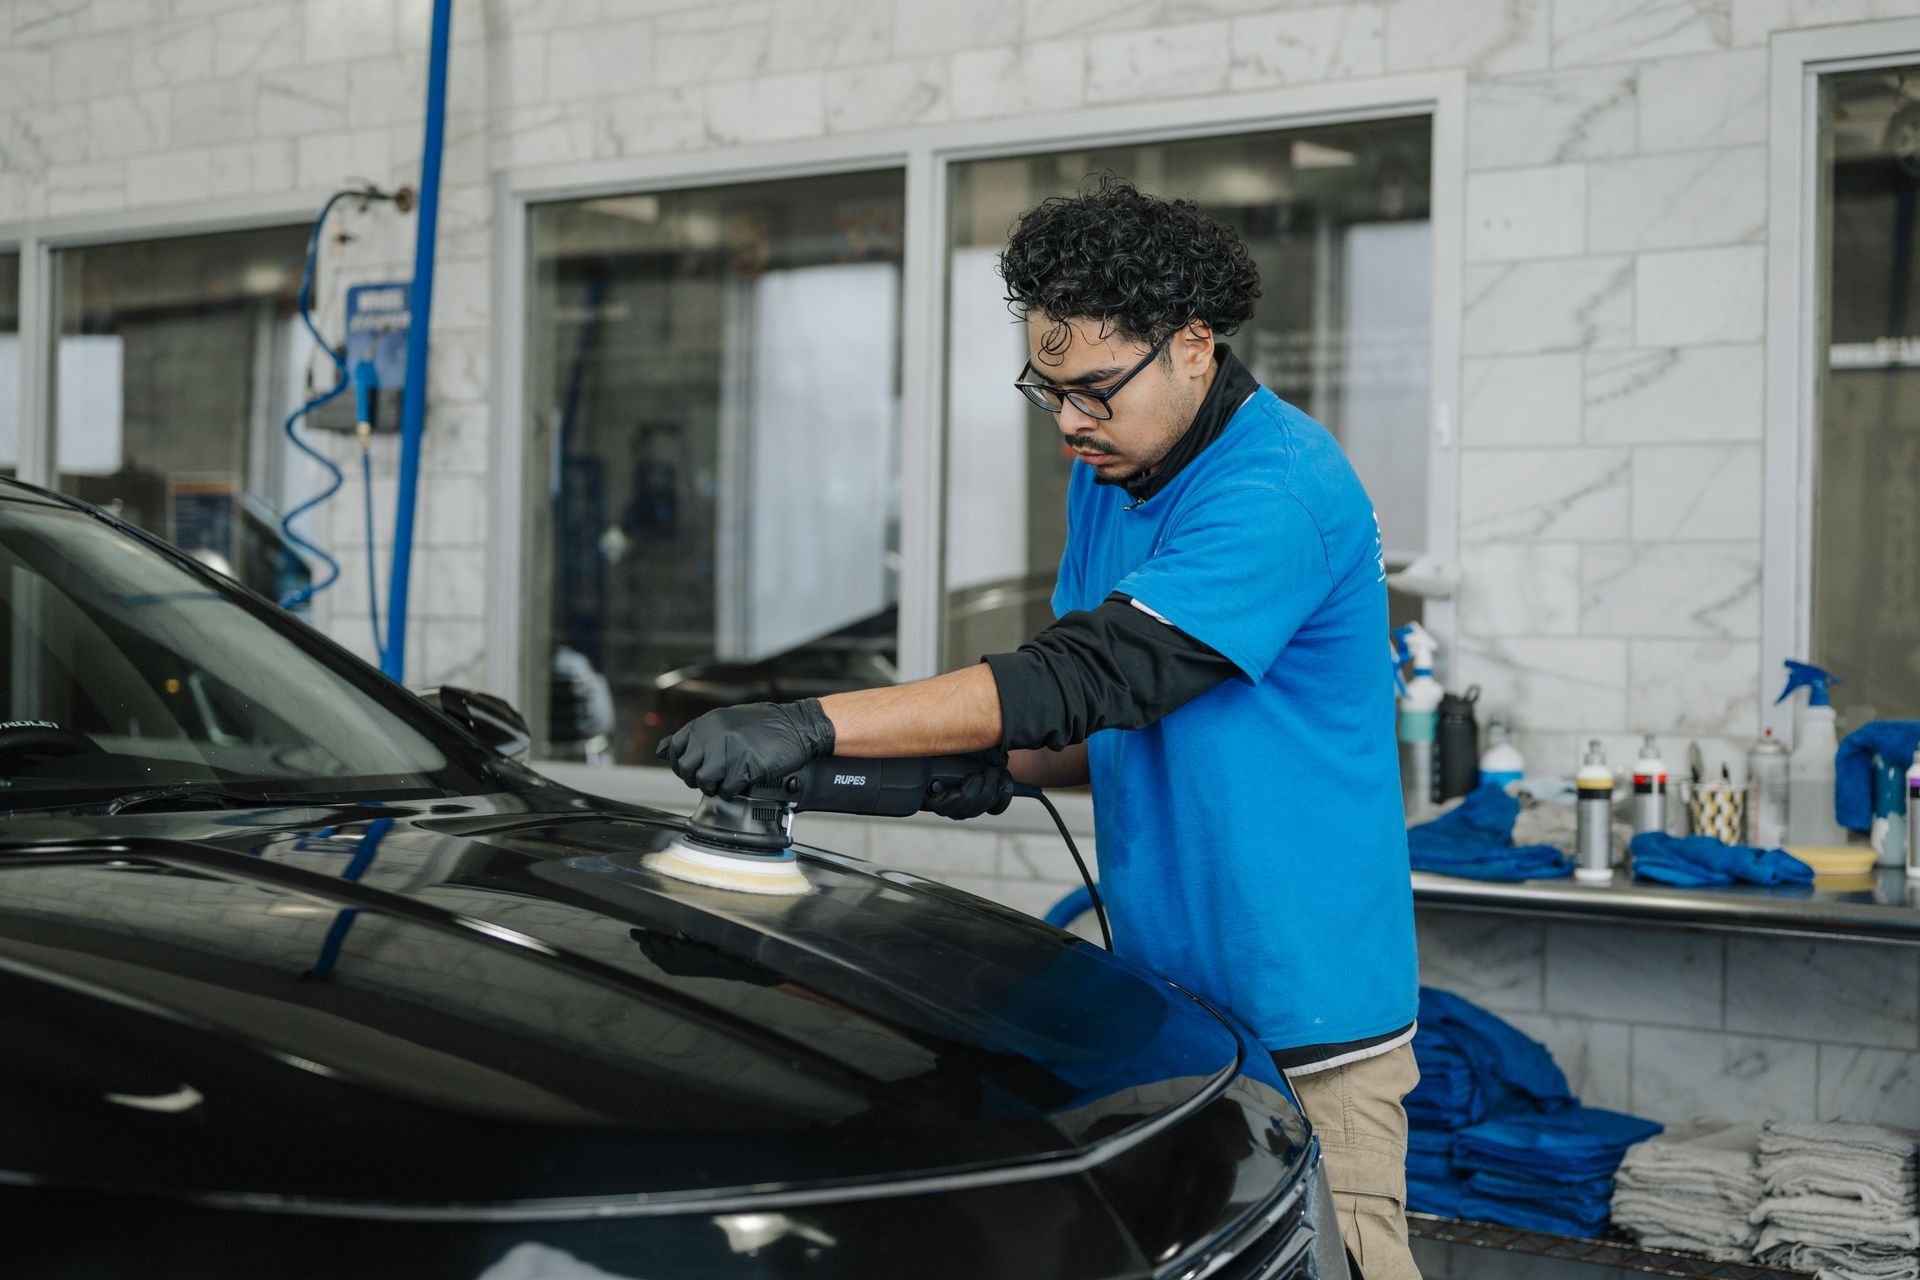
x=413, y=418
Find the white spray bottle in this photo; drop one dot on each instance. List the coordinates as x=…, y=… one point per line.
x=1419, y=714
x=1810, y=817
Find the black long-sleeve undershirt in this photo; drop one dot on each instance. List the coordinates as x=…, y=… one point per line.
x=1117, y=666
x=1114, y=667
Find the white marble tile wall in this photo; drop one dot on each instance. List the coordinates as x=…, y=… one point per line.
x=1614, y=326
x=1672, y=1024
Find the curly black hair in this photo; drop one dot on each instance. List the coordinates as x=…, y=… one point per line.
x=1141, y=265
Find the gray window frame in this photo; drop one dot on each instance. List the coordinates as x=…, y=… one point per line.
x=36, y=240
x=927, y=154
x=1794, y=275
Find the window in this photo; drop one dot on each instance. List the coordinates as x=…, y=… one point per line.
x=176, y=362
x=1337, y=219
x=145, y=677
x=9, y=364
x=713, y=386
x=1866, y=496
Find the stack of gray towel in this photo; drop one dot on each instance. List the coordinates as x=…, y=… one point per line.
x=1694, y=1187
x=1843, y=1200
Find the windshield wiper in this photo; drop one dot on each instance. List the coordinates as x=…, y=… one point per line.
x=186, y=796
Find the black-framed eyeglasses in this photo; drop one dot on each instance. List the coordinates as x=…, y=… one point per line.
x=1088, y=400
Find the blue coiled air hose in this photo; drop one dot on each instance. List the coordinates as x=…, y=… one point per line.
x=308, y=592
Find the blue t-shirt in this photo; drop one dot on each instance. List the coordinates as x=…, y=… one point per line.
x=1252, y=843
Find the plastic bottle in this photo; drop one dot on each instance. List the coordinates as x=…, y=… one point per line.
x=1501, y=763
x=1593, y=841
x=1419, y=714
x=1913, y=812
x=1649, y=789
x=1767, y=779
x=1810, y=817
x=1456, y=746
x=1887, y=835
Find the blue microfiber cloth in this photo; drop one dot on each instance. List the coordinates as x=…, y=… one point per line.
x=1894, y=742
x=1442, y=1196
x=1549, y=1172
x=1473, y=1065
x=1564, y=1146
x=1527, y=1215
x=1474, y=839
x=1588, y=1197
x=1495, y=1135
x=1578, y=1209
x=1701, y=860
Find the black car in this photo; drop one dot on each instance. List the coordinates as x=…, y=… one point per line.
x=301, y=976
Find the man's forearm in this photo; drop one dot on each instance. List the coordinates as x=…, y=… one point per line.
x=948, y=714
x=1042, y=768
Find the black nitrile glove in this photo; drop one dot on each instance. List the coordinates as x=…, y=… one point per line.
x=982, y=791
x=725, y=752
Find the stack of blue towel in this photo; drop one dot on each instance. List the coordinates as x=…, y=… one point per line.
x=1702, y=860
x=1475, y=839
x=1546, y=1172
x=1495, y=1135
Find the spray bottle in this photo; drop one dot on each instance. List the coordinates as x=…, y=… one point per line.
x=1593, y=842
x=1419, y=714
x=1649, y=789
x=1810, y=817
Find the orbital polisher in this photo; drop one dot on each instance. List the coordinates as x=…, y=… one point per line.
x=746, y=842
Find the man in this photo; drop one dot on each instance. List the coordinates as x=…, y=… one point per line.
x=1215, y=670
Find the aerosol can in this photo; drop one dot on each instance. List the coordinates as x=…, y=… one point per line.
x=1419, y=714
x=1767, y=792
x=1593, y=843
x=1649, y=789
x=1913, y=817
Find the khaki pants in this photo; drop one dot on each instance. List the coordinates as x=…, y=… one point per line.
x=1363, y=1136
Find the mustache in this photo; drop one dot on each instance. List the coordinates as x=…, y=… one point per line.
x=1088, y=444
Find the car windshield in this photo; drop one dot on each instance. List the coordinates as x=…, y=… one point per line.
x=124, y=671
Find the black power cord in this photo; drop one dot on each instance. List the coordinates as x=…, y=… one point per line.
x=1099, y=907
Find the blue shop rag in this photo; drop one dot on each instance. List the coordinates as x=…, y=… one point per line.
x=1564, y=1147
x=1473, y=1065
x=1894, y=742
x=1692, y=861
x=1546, y=1172
x=1474, y=839
x=1494, y=1134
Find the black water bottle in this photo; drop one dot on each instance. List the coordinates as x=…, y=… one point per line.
x=1456, y=746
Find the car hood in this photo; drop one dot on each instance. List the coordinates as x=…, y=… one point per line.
x=496, y=1001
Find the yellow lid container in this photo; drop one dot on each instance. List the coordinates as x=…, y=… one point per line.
x=1835, y=859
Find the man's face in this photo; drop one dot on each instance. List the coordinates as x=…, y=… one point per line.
x=1150, y=413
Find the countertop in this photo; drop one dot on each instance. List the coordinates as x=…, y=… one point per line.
x=1881, y=906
